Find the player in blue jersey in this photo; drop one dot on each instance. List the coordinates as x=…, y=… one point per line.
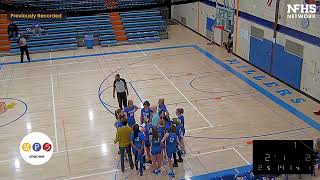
x=167, y=123
x=147, y=129
x=137, y=141
x=156, y=150
x=162, y=108
x=130, y=110
x=171, y=139
x=179, y=133
x=145, y=112
x=179, y=113
x=119, y=114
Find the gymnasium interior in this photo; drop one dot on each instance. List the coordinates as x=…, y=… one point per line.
x=245, y=72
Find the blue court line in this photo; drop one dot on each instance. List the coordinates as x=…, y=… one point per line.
x=134, y=89
x=218, y=174
x=272, y=97
x=102, y=54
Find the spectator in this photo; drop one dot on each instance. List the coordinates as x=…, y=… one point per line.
x=12, y=30
x=123, y=137
x=36, y=29
x=229, y=44
x=22, y=42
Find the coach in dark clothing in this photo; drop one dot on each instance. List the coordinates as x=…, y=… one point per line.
x=22, y=42
x=12, y=30
x=120, y=86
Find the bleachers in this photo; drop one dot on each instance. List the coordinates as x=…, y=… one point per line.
x=64, y=34
x=139, y=27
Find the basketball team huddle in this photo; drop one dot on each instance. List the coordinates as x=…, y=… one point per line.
x=156, y=139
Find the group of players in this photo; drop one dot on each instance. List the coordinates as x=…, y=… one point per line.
x=156, y=139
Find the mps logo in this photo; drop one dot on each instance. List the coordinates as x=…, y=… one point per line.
x=36, y=148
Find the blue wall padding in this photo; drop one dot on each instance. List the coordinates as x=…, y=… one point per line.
x=260, y=53
x=210, y=22
x=287, y=67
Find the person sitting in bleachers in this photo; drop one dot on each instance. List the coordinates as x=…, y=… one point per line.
x=36, y=29
x=12, y=30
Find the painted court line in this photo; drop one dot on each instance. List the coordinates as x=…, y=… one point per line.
x=241, y=156
x=50, y=56
x=102, y=54
x=197, y=129
x=1, y=65
x=141, y=49
x=54, y=114
x=210, y=124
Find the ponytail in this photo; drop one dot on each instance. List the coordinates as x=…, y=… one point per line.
x=155, y=134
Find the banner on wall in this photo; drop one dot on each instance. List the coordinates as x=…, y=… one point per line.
x=244, y=34
x=35, y=15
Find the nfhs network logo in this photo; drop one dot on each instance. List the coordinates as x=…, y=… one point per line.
x=36, y=148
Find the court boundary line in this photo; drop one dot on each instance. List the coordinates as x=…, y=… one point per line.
x=103, y=54
x=242, y=157
x=54, y=114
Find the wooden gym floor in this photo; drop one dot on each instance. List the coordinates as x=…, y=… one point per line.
x=67, y=94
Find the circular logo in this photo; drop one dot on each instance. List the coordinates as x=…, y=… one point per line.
x=36, y=148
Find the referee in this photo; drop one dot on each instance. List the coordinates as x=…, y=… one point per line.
x=120, y=86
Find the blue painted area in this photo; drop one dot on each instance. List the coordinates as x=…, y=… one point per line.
x=20, y=116
x=314, y=40
x=298, y=100
x=271, y=84
x=210, y=24
x=219, y=174
x=272, y=97
x=284, y=92
x=282, y=29
x=287, y=67
x=260, y=53
x=258, y=78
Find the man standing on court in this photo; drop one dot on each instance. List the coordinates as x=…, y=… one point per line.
x=120, y=86
x=22, y=42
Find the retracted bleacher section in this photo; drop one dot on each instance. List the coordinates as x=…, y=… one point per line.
x=138, y=27
x=67, y=34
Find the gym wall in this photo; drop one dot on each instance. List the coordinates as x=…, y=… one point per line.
x=297, y=60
